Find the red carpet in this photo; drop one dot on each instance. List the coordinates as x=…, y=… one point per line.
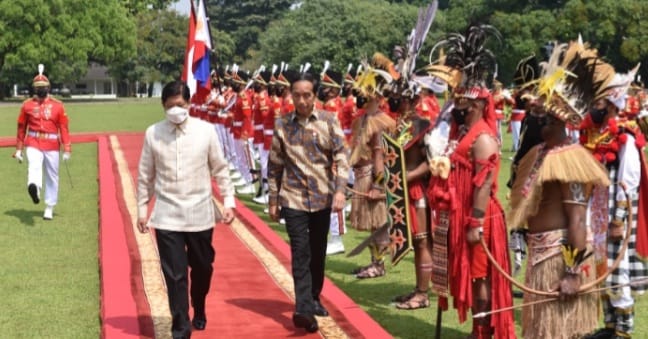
x=244, y=300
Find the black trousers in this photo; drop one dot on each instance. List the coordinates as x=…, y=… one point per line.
x=308, y=232
x=178, y=251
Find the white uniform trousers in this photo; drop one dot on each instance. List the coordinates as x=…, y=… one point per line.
x=47, y=161
x=515, y=130
x=337, y=226
x=264, y=155
x=222, y=137
x=244, y=159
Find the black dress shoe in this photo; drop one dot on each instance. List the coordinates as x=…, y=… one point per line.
x=319, y=310
x=603, y=333
x=305, y=321
x=199, y=323
x=33, y=193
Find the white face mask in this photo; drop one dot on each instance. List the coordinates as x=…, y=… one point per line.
x=177, y=115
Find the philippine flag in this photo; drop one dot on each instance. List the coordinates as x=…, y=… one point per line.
x=196, y=71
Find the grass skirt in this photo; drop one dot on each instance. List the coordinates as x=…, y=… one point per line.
x=558, y=319
x=366, y=215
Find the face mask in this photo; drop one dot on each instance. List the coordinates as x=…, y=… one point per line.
x=360, y=101
x=177, y=115
x=321, y=95
x=394, y=104
x=459, y=115
x=598, y=115
x=41, y=92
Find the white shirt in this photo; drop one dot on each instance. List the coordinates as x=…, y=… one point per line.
x=177, y=163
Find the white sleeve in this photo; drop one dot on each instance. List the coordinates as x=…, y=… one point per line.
x=629, y=169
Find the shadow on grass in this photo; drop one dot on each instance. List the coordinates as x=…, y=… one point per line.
x=26, y=217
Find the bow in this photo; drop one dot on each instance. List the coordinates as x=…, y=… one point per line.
x=583, y=288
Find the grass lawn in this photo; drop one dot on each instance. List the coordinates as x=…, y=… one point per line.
x=49, y=281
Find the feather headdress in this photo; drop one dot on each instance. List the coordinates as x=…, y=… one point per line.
x=571, y=80
x=468, y=55
x=375, y=76
x=405, y=84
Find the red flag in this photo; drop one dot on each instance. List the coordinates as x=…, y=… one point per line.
x=187, y=69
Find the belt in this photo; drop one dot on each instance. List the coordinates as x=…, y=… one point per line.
x=268, y=132
x=42, y=135
x=518, y=111
x=237, y=123
x=258, y=127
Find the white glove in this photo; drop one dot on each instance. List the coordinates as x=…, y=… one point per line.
x=18, y=155
x=66, y=156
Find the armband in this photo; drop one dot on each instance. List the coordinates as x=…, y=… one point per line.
x=573, y=258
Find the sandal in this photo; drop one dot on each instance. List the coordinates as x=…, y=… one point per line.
x=418, y=300
x=360, y=269
x=404, y=297
x=374, y=271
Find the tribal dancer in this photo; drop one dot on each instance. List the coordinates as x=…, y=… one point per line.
x=550, y=196
x=465, y=203
x=618, y=144
x=368, y=205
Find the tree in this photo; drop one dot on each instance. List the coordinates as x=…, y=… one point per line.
x=135, y=7
x=161, y=38
x=245, y=20
x=336, y=30
x=63, y=35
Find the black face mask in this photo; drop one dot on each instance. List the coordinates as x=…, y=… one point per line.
x=360, y=101
x=257, y=89
x=321, y=95
x=272, y=91
x=598, y=115
x=459, y=115
x=346, y=91
x=394, y=104
x=41, y=92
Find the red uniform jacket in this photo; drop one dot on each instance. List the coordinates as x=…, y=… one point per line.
x=242, y=117
x=288, y=105
x=262, y=108
x=349, y=113
x=268, y=122
x=500, y=101
x=43, y=125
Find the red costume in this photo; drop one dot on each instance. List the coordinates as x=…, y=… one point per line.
x=428, y=107
x=43, y=125
x=242, y=117
x=288, y=106
x=262, y=108
x=349, y=113
x=500, y=102
x=466, y=262
x=269, y=120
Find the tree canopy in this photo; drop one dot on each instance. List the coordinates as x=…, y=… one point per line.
x=141, y=40
x=336, y=30
x=64, y=35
